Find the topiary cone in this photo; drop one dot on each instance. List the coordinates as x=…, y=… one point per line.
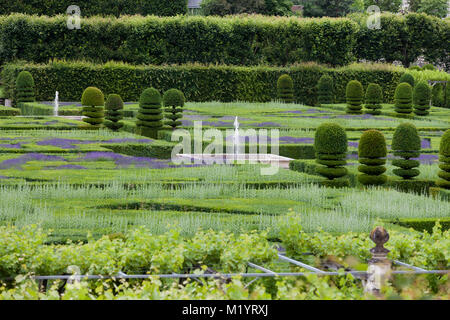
x=114, y=112
x=285, y=88
x=354, y=95
x=93, y=110
x=406, y=144
x=444, y=157
x=403, y=98
x=173, y=100
x=372, y=152
x=374, y=97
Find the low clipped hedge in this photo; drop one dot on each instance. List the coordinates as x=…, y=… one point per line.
x=425, y=224
x=9, y=112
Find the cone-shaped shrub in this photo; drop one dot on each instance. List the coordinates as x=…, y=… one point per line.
x=407, y=78
x=354, y=93
x=421, y=98
x=93, y=110
x=444, y=157
x=406, y=144
x=285, y=88
x=173, y=102
x=114, y=112
x=150, y=113
x=374, y=97
x=372, y=153
x=403, y=98
x=325, y=89
x=25, y=87
x=331, y=146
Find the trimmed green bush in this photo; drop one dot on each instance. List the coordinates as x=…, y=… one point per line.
x=421, y=98
x=25, y=87
x=406, y=144
x=331, y=140
x=173, y=100
x=441, y=95
x=114, y=112
x=149, y=117
x=285, y=88
x=9, y=112
x=354, y=94
x=428, y=67
x=93, y=101
x=407, y=78
x=372, y=152
x=325, y=89
x=374, y=97
x=417, y=68
x=403, y=98
x=444, y=152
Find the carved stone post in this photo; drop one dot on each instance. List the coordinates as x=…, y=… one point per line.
x=379, y=266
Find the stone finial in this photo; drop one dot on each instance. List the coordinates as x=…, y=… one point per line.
x=380, y=236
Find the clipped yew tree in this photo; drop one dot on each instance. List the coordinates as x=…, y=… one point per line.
x=25, y=87
x=93, y=111
x=331, y=146
x=406, y=144
x=407, y=78
x=325, y=90
x=444, y=157
x=354, y=94
x=150, y=113
x=421, y=98
x=285, y=88
x=173, y=100
x=374, y=97
x=372, y=152
x=114, y=112
x=403, y=98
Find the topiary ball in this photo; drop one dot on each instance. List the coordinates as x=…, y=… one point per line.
x=150, y=96
x=325, y=88
x=173, y=98
x=354, y=94
x=114, y=102
x=406, y=138
x=407, y=78
x=372, y=145
x=92, y=96
x=330, y=138
x=374, y=97
x=25, y=87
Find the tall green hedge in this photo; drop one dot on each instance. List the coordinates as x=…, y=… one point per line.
x=325, y=88
x=237, y=40
x=198, y=83
x=97, y=7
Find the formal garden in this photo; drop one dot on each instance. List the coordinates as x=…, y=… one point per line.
x=90, y=183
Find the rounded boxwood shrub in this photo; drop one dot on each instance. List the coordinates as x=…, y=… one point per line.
x=406, y=144
x=149, y=117
x=428, y=66
x=374, y=97
x=421, y=98
x=331, y=147
x=285, y=88
x=114, y=112
x=372, y=152
x=416, y=68
x=93, y=110
x=325, y=89
x=173, y=102
x=444, y=157
x=25, y=87
x=354, y=94
x=403, y=98
x=407, y=78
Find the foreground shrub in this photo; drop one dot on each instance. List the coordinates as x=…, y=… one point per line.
x=325, y=88
x=444, y=157
x=403, y=98
x=372, y=152
x=406, y=144
x=173, y=102
x=150, y=113
x=114, y=112
x=374, y=97
x=331, y=146
x=407, y=78
x=25, y=87
x=421, y=98
x=93, y=110
x=285, y=88
x=354, y=94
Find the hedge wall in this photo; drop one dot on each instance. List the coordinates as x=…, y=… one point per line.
x=199, y=83
x=97, y=7
x=238, y=40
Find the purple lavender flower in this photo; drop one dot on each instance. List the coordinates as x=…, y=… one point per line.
x=18, y=162
x=11, y=146
x=353, y=144
x=426, y=144
x=125, y=140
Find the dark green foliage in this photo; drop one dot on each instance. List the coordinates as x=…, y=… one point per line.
x=421, y=98
x=406, y=138
x=425, y=224
x=417, y=186
x=150, y=113
x=114, y=112
x=417, y=68
x=428, y=67
x=321, y=8
x=372, y=148
x=408, y=78
x=285, y=88
x=354, y=94
x=93, y=101
x=173, y=102
x=444, y=152
x=403, y=98
x=325, y=90
x=374, y=98
x=25, y=87
x=9, y=112
x=228, y=7
x=441, y=95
